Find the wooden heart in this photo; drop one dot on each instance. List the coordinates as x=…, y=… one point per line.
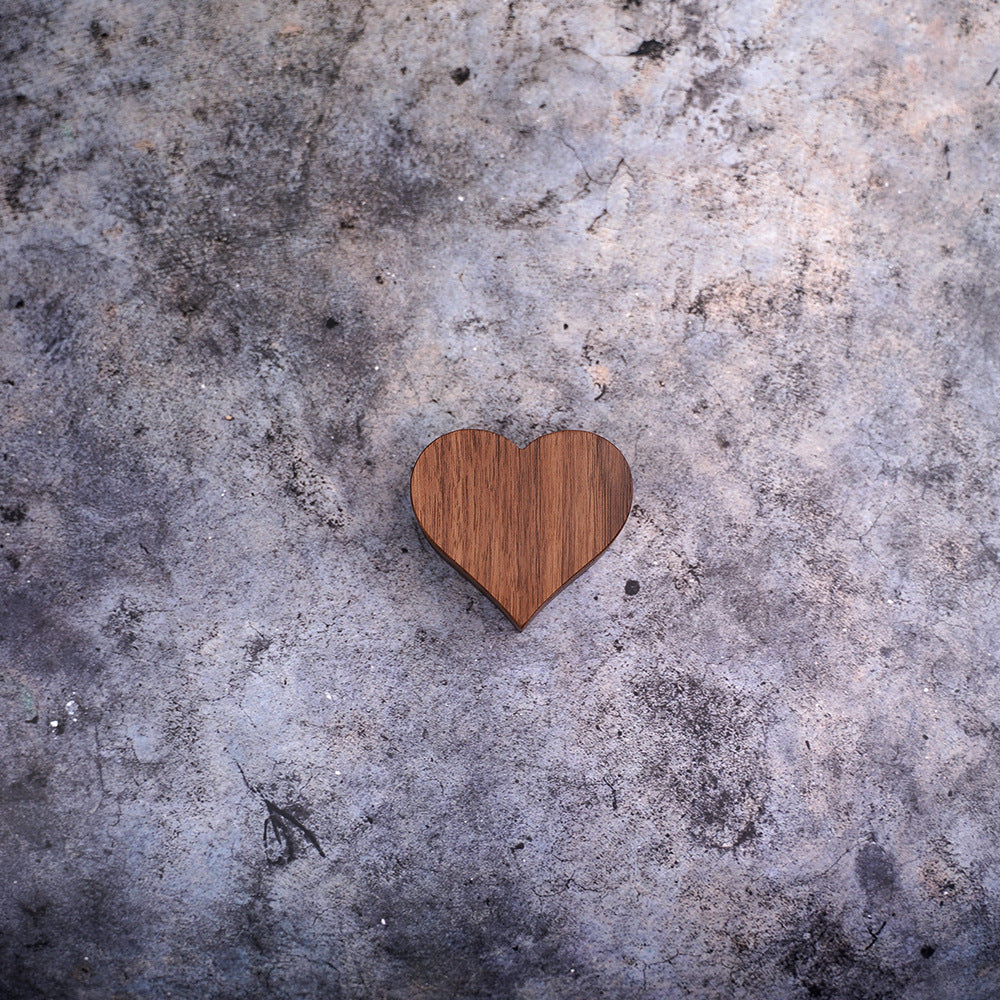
x=521, y=523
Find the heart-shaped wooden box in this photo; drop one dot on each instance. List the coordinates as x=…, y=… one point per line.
x=521, y=523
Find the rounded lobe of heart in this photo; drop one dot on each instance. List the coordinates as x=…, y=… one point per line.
x=521, y=523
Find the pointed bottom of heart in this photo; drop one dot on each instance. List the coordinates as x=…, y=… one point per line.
x=516, y=614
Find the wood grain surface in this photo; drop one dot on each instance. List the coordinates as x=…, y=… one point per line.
x=521, y=523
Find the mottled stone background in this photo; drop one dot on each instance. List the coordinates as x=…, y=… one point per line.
x=258, y=740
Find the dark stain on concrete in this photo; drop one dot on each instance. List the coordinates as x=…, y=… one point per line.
x=474, y=936
x=825, y=963
x=708, y=762
x=876, y=871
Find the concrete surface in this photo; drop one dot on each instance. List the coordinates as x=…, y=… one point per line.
x=258, y=740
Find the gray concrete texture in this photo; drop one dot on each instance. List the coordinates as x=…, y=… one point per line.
x=259, y=741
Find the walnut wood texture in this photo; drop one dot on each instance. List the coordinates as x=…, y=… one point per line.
x=521, y=523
